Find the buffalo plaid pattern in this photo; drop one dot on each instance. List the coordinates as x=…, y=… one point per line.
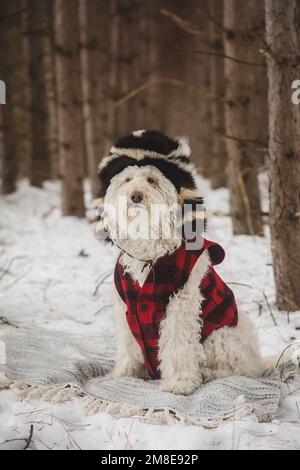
x=146, y=305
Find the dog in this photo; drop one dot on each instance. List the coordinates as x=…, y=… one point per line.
x=177, y=321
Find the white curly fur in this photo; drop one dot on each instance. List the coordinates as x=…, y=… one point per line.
x=185, y=363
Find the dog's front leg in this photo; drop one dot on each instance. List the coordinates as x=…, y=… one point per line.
x=129, y=358
x=181, y=354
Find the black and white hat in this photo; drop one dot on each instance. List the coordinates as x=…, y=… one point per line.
x=169, y=155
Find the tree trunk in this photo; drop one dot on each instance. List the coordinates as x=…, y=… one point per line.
x=8, y=151
x=216, y=64
x=25, y=97
x=283, y=38
x=124, y=118
x=94, y=31
x=69, y=116
x=243, y=162
x=40, y=165
x=50, y=84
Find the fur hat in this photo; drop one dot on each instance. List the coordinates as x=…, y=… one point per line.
x=170, y=156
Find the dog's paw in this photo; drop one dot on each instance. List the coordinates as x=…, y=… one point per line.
x=180, y=386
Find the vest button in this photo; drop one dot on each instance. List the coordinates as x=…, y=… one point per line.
x=144, y=307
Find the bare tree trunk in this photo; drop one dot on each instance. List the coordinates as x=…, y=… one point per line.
x=86, y=10
x=95, y=65
x=219, y=151
x=50, y=84
x=8, y=151
x=126, y=49
x=69, y=116
x=112, y=131
x=25, y=128
x=8, y=154
x=258, y=80
x=243, y=162
x=283, y=38
x=40, y=168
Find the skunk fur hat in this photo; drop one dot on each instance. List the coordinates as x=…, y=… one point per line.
x=169, y=155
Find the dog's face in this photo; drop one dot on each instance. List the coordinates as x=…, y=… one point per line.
x=140, y=202
x=141, y=187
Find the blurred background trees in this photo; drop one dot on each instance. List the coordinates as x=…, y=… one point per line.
x=80, y=73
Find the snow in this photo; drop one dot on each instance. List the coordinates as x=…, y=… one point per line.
x=55, y=274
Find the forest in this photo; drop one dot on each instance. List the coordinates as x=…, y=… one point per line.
x=76, y=75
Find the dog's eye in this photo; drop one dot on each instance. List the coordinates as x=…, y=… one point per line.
x=127, y=180
x=150, y=180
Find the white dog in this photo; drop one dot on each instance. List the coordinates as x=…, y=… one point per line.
x=176, y=318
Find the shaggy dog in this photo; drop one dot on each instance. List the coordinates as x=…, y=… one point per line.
x=176, y=319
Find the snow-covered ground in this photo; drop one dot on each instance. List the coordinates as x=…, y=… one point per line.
x=54, y=274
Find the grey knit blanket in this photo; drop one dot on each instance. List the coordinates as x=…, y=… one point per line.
x=57, y=366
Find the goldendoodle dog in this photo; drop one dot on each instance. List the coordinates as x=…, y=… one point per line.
x=177, y=320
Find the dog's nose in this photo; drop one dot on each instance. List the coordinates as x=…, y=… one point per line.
x=136, y=196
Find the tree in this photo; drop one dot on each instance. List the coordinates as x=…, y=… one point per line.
x=8, y=151
x=95, y=67
x=50, y=88
x=283, y=44
x=217, y=171
x=69, y=109
x=242, y=155
x=40, y=164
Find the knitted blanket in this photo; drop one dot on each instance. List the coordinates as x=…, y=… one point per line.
x=58, y=366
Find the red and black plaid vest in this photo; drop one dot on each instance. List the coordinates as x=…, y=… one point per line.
x=146, y=305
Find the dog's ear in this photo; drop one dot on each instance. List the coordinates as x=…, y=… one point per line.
x=193, y=213
x=190, y=196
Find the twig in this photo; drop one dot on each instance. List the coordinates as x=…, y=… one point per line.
x=229, y=214
x=285, y=349
x=246, y=141
x=182, y=23
x=217, y=54
x=29, y=440
x=270, y=310
x=5, y=321
x=18, y=279
x=5, y=269
x=76, y=321
x=240, y=284
x=98, y=285
x=166, y=81
x=7, y=170
x=102, y=308
x=245, y=197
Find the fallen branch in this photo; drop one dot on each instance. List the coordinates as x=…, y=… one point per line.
x=5, y=321
x=29, y=440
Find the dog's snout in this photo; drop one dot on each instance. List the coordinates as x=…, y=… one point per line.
x=137, y=196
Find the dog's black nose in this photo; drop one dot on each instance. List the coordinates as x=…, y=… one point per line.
x=136, y=196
